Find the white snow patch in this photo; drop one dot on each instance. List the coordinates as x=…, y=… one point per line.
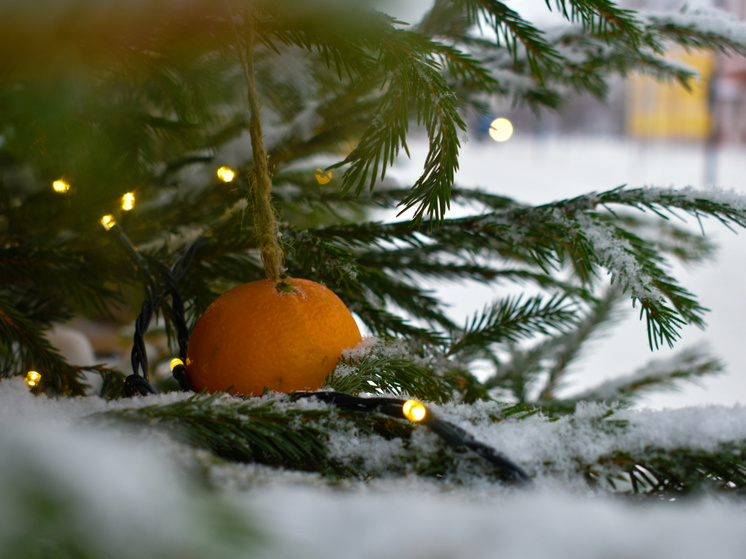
x=317, y=523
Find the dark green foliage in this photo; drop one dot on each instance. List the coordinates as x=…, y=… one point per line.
x=304, y=435
x=658, y=473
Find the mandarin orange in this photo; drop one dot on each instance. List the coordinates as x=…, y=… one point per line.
x=283, y=335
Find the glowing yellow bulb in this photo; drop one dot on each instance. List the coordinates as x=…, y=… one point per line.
x=60, y=186
x=501, y=129
x=226, y=174
x=128, y=201
x=108, y=221
x=175, y=362
x=414, y=410
x=323, y=177
x=33, y=378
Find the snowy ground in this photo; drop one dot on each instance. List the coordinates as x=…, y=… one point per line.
x=126, y=497
x=539, y=170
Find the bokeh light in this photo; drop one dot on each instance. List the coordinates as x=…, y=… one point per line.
x=501, y=129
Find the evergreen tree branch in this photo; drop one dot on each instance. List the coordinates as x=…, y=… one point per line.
x=511, y=29
x=567, y=348
x=412, y=77
x=24, y=347
x=512, y=319
x=379, y=373
x=705, y=30
x=687, y=365
x=662, y=473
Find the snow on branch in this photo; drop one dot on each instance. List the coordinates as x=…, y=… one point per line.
x=688, y=364
x=702, y=28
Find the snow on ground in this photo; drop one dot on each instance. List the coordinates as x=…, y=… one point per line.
x=540, y=170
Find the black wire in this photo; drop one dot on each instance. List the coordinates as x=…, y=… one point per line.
x=447, y=431
x=136, y=383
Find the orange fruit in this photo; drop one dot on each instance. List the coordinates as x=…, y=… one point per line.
x=284, y=335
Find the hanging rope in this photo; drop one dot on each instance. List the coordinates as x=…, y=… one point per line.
x=260, y=183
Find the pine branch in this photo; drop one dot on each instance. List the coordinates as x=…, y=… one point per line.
x=705, y=30
x=412, y=78
x=511, y=30
x=687, y=365
x=511, y=319
x=380, y=373
x=24, y=347
x=601, y=16
x=663, y=473
x=238, y=431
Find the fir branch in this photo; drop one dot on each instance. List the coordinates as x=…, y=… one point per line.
x=24, y=347
x=343, y=34
x=445, y=18
x=511, y=29
x=568, y=347
x=544, y=367
x=705, y=30
x=665, y=473
x=727, y=207
x=511, y=319
x=602, y=17
x=379, y=373
x=686, y=365
x=387, y=324
x=387, y=290
x=243, y=431
x=412, y=77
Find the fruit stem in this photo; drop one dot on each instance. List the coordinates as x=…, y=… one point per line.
x=285, y=286
x=260, y=183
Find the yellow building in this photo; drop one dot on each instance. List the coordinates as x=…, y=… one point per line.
x=667, y=109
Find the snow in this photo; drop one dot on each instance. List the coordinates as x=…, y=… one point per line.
x=101, y=493
x=108, y=493
x=419, y=525
x=706, y=20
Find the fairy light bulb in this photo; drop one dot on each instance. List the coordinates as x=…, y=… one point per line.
x=226, y=174
x=61, y=186
x=323, y=177
x=501, y=129
x=128, y=201
x=414, y=410
x=175, y=362
x=108, y=221
x=33, y=378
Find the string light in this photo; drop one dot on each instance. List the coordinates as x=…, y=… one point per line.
x=33, y=378
x=60, y=186
x=323, y=177
x=501, y=129
x=175, y=362
x=414, y=410
x=108, y=221
x=128, y=201
x=226, y=174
